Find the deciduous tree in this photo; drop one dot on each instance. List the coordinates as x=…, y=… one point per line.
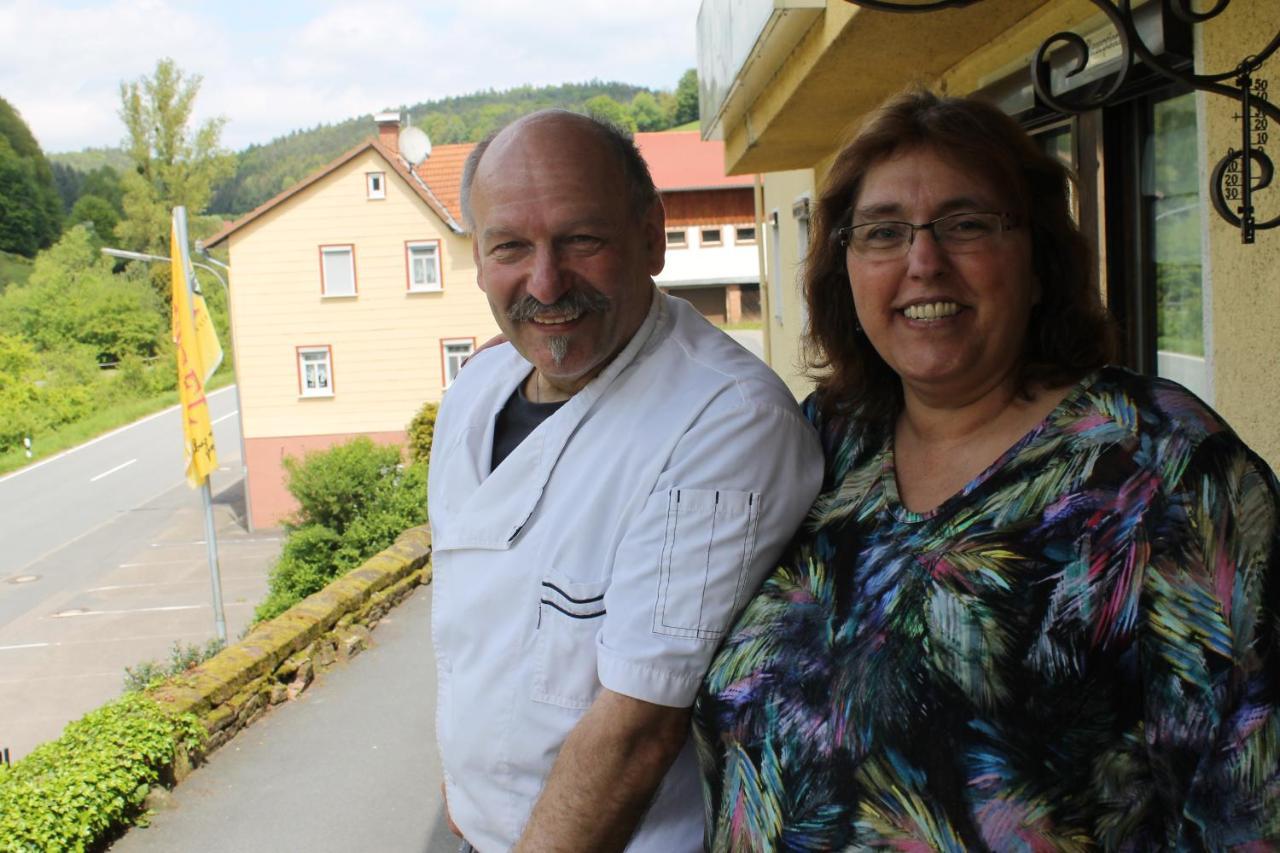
x=175, y=163
x=604, y=108
x=647, y=113
x=30, y=207
x=687, y=98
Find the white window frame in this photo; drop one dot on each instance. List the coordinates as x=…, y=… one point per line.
x=335, y=251
x=410, y=284
x=681, y=242
x=375, y=185
x=702, y=236
x=325, y=360
x=739, y=240
x=451, y=362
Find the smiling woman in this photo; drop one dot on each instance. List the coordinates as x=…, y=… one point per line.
x=1034, y=604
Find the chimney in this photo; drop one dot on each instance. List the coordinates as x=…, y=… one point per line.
x=389, y=130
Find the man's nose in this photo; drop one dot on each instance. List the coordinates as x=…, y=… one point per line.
x=548, y=280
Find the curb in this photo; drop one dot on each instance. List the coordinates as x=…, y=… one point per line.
x=279, y=658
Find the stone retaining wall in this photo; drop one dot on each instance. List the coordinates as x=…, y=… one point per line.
x=279, y=658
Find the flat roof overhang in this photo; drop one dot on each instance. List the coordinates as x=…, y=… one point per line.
x=848, y=62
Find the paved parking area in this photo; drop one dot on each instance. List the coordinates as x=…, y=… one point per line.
x=129, y=590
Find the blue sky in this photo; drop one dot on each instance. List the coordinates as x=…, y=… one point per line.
x=273, y=66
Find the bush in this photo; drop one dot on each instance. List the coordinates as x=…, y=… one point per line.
x=139, y=378
x=73, y=792
x=335, y=486
x=182, y=656
x=305, y=565
x=354, y=500
x=421, y=430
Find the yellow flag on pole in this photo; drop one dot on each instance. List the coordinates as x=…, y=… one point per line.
x=199, y=355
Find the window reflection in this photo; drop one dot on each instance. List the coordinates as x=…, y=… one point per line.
x=1171, y=190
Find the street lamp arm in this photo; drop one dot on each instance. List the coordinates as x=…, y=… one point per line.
x=125, y=254
x=204, y=253
x=133, y=256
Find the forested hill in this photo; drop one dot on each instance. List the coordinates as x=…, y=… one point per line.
x=264, y=170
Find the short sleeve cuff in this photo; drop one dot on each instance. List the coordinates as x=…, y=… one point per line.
x=645, y=682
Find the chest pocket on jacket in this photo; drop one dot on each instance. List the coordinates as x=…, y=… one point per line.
x=569, y=618
x=709, y=542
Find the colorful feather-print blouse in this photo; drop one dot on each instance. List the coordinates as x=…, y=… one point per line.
x=1077, y=651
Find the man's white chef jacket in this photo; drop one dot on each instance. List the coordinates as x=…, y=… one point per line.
x=611, y=547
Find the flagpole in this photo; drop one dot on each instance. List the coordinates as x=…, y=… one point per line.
x=182, y=257
x=215, y=578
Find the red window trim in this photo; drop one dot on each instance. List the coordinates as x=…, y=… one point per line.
x=408, y=273
x=297, y=362
x=355, y=274
x=444, y=379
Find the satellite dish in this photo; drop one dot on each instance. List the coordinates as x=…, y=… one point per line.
x=414, y=145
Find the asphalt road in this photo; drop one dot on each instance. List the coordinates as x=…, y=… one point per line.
x=103, y=566
x=53, y=503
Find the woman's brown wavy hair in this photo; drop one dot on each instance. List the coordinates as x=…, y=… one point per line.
x=1069, y=332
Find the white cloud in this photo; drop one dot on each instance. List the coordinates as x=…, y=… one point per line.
x=270, y=73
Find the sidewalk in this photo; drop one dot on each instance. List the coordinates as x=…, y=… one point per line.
x=350, y=765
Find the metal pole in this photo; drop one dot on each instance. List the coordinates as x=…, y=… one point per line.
x=210, y=534
x=215, y=577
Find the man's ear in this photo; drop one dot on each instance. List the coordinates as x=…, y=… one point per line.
x=655, y=236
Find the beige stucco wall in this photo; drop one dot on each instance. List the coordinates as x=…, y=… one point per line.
x=781, y=274
x=1242, y=307
x=385, y=341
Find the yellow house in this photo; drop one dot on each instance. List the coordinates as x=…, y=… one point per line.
x=784, y=82
x=353, y=302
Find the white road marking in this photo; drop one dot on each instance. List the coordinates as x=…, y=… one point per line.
x=221, y=542
x=224, y=417
x=168, y=609
x=155, y=563
x=112, y=471
x=24, y=646
x=198, y=582
x=103, y=437
x=138, y=610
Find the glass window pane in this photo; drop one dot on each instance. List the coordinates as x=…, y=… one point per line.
x=424, y=267
x=1171, y=185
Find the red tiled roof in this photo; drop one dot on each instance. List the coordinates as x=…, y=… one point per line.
x=680, y=160
x=442, y=171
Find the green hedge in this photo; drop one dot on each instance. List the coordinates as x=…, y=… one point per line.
x=354, y=499
x=76, y=791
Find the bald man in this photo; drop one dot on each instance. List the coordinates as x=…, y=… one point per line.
x=607, y=490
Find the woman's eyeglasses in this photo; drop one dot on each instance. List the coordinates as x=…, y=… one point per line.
x=957, y=233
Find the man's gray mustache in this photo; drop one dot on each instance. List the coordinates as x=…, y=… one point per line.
x=583, y=300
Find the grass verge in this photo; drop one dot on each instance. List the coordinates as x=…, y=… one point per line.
x=744, y=325
x=100, y=422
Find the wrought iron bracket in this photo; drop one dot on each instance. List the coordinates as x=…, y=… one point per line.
x=1249, y=165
